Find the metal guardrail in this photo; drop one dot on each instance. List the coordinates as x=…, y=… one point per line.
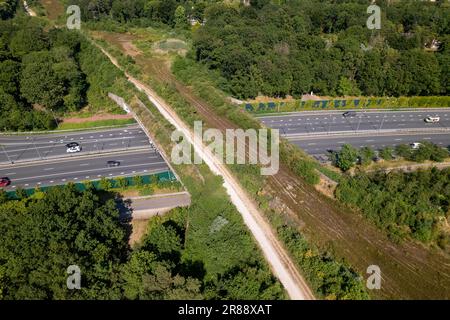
x=138, y=120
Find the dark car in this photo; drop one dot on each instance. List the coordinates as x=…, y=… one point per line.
x=72, y=145
x=349, y=114
x=4, y=182
x=113, y=164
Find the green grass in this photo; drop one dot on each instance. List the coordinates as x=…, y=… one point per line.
x=94, y=124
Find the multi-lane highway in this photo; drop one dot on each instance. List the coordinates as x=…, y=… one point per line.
x=52, y=165
x=335, y=122
x=323, y=131
x=320, y=145
x=18, y=148
x=62, y=171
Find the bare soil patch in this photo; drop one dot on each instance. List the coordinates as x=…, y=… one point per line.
x=53, y=8
x=139, y=231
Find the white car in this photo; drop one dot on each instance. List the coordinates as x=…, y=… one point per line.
x=73, y=147
x=415, y=145
x=432, y=119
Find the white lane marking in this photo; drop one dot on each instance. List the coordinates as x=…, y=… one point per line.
x=90, y=170
x=48, y=169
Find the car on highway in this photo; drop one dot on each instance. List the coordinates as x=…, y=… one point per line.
x=432, y=119
x=73, y=147
x=111, y=164
x=4, y=182
x=349, y=114
x=415, y=145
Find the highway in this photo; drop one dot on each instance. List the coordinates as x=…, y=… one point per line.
x=320, y=145
x=334, y=122
x=62, y=171
x=18, y=148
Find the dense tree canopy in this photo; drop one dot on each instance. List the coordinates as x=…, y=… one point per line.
x=404, y=204
x=310, y=45
x=44, y=234
x=40, y=73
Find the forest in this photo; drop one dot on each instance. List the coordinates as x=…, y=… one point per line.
x=44, y=234
x=279, y=48
x=47, y=72
x=322, y=46
x=403, y=204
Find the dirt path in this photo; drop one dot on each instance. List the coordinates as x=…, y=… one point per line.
x=409, y=270
x=30, y=12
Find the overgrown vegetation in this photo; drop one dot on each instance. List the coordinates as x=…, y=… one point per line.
x=413, y=204
x=349, y=156
x=249, y=176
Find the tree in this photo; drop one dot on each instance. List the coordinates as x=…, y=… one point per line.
x=181, y=21
x=386, y=153
x=346, y=158
x=138, y=181
x=122, y=182
x=366, y=155
x=9, y=77
x=39, y=82
x=105, y=184
x=31, y=37
x=347, y=87
x=403, y=150
x=21, y=194
x=41, y=237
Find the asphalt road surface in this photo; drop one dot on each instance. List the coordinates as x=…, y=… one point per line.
x=62, y=171
x=320, y=145
x=49, y=146
x=335, y=122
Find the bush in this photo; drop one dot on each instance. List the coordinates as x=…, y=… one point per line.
x=387, y=153
x=105, y=184
x=138, y=181
x=346, y=158
x=122, y=182
x=366, y=155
